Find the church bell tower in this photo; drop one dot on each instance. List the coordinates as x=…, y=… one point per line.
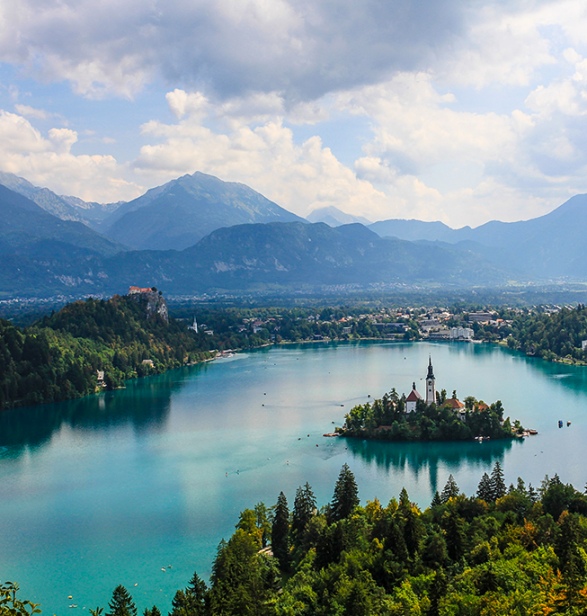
x=430, y=391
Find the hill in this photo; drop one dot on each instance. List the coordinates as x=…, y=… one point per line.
x=415, y=230
x=25, y=228
x=287, y=256
x=183, y=211
x=44, y=255
x=90, y=345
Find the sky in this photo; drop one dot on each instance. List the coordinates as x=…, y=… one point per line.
x=461, y=111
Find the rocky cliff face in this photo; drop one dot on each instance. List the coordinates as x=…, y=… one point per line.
x=155, y=304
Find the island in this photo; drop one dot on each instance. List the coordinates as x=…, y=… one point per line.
x=432, y=417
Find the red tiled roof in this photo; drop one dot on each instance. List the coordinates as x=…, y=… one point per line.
x=414, y=396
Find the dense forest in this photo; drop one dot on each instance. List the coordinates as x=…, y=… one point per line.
x=551, y=335
x=387, y=419
x=503, y=551
x=92, y=344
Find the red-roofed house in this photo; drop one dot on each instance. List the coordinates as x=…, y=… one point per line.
x=457, y=406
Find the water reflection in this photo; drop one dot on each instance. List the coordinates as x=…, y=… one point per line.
x=144, y=405
x=429, y=458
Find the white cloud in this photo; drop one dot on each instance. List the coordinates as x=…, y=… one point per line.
x=31, y=112
x=49, y=162
x=503, y=45
x=266, y=157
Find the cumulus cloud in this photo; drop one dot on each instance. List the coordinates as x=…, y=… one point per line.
x=300, y=177
x=48, y=161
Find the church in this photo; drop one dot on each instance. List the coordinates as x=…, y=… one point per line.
x=414, y=395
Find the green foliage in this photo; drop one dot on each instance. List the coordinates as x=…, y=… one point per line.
x=303, y=511
x=11, y=606
x=61, y=355
x=193, y=601
x=243, y=581
x=551, y=335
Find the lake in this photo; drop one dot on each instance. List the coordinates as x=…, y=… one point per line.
x=138, y=486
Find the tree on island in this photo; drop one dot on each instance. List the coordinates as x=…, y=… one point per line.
x=445, y=420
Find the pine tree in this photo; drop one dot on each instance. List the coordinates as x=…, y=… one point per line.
x=192, y=601
x=454, y=529
x=346, y=495
x=450, y=490
x=436, y=500
x=280, y=533
x=303, y=510
x=154, y=611
x=498, y=488
x=485, y=489
x=239, y=577
x=121, y=603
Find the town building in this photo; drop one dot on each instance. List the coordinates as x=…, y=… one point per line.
x=461, y=333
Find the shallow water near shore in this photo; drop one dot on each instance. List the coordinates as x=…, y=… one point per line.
x=138, y=486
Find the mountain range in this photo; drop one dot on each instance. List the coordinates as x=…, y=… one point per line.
x=183, y=211
x=198, y=234
x=551, y=246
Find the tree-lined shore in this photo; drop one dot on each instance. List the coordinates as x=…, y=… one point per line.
x=96, y=343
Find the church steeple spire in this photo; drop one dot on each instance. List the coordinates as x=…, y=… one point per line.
x=430, y=390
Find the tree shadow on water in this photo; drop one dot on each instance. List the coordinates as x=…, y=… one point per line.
x=429, y=457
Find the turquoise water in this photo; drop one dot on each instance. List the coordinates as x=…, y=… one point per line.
x=111, y=489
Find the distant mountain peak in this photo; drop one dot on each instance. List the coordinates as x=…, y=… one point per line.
x=334, y=217
x=179, y=213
